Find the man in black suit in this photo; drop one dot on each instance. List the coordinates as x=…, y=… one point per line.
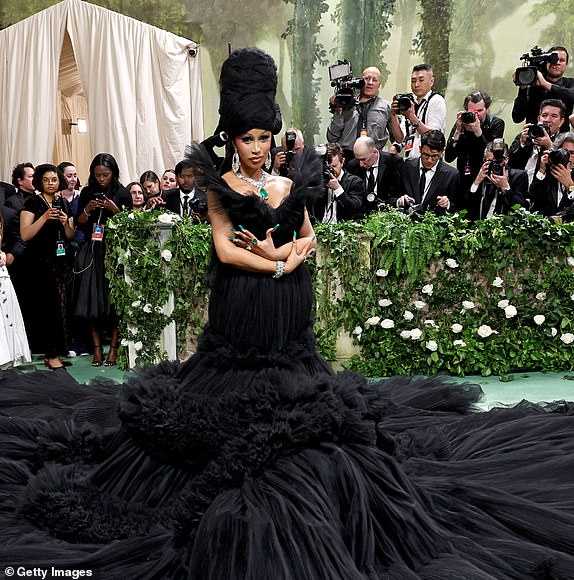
x=185, y=200
x=343, y=195
x=379, y=171
x=496, y=188
x=428, y=183
x=552, y=190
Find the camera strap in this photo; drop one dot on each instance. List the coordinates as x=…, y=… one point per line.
x=363, y=110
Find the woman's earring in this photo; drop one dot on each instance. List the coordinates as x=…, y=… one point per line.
x=268, y=161
x=235, y=162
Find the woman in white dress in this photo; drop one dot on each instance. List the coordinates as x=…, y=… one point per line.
x=14, y=348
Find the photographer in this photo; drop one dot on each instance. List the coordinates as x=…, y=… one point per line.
x=535, y=138
x=552, y=190
x=474, y=128
x=549, y=84
x=370, y=116
x=292, y=144
x=496, y=187
x=426, y=111
x=343, y=195
x=427, y=182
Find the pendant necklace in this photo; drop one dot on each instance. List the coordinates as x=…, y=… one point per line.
x=259, y=183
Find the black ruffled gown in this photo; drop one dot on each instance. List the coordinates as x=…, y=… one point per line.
x=253, y=460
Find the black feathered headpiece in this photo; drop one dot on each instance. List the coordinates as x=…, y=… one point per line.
x=248, y=83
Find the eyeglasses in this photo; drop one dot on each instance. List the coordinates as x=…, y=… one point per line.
x=432, y=156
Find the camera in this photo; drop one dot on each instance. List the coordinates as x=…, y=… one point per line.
x=290, y=138
x=533, y=62
x=538, y=130
x=404, y=100
x=497, y=165
x=468, y=117
x=341, y=77
x=326, y=158
x=559, y=157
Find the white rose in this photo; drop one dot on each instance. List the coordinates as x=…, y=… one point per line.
x=124, y=342
x=136, y=304
x=131, y=215
x=570, y=260
x=416, y=333
x=405, y=334
x=553, y=332
x=459, y=343
x=539, y=319
x=166, y=255
x=503, y=303
x=408, y=315
x=165, y=218
x=357, y=330
x=485, y=331
x=419, y=304
x=510, y=311
x=431, y=345
x=541, y=296
x=571, y=296
x=427, y=289
x=498, y=282
x=387, y=323
x=147, y=308
x=384, y=302
x=467, y=304
x=138, y=345
x=567, y=337
x=430, y=323
x=456, y=328
x=381, y=273
x=371, y=321
x=451, y=263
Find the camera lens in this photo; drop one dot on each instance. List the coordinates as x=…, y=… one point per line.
x=467, y=117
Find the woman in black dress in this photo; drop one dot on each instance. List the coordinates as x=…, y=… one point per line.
x=253, y=460
x=47, y=227
x=99, y=200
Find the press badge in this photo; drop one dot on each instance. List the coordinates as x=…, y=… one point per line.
x=98, y=233
x=60, y=248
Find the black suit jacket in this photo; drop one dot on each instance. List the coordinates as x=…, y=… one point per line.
x=173, y=201
x=388, y=177
x=349, y=204
x=518, y=156
x=479, y=202
x=446, y=181
x=544, y=195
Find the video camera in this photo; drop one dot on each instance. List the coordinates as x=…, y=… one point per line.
x=341, y=77
x=533, y=62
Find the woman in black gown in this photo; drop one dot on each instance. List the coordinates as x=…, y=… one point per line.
x=253, y=460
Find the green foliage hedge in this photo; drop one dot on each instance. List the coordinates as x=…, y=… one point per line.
x=419, y=295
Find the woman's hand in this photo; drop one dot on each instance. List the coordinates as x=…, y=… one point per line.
x=264, y=248
x=295, y=258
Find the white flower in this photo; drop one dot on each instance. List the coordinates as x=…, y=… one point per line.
x=503, y=303
x=127, y=254
x=498, y=282
x=571, y=296
x=456, y=327
x=408, y=315
x=124, y=342
x=165, y=218
x=539, y=319
x=570, y=260
x=431, y=345
x=166, y=255
x=430, y=323
x=405, y=334
x=372, y=320
x=567, y=338
x=459, y=343
x=357, y=330
x=387, y=323
x=385, y=302
x=147, y=308
x=467, y=304
x=427, y=289
x=485, y=331
x=541, y=296
x=136, y=304
x=138, y=345
x=553, y=332
x=381, y=273
x=510, y=311
x=131, y=215
x=416, y=333
x=419, y=304
x=451, y=263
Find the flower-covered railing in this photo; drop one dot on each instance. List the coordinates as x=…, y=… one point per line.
x=418, y=295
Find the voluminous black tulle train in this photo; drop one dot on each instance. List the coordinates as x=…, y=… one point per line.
x=253, y=460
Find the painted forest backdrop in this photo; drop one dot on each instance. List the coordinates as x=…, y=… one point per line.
x=471, y=44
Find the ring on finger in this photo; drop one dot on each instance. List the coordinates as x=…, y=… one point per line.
x=254, y=241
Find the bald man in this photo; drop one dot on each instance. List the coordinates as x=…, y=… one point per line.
x=370, y=116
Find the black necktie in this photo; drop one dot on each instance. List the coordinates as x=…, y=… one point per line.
x=371, y=182
x=185, y=208
x=422, y=183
